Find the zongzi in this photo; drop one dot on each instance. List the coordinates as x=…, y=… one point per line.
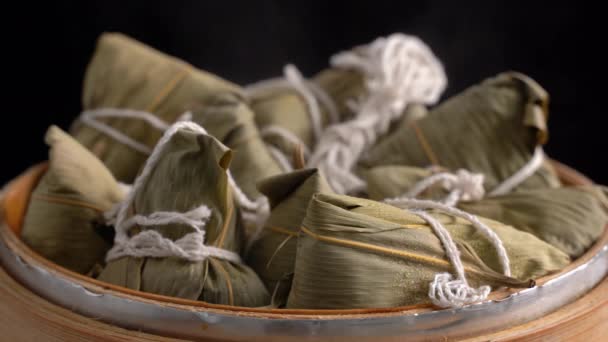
x=228, y=118
x=569, y=218
x=495, y=128
x=131, y=93
x=64, y=220
x=178, y=233
x=273, y=254
x=398, y=71
x=357, y=253
x=291, y=112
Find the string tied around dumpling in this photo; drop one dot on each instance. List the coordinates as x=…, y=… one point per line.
x=469, y=186
x=254, y=212
x=91, y=118
x=311, y=93
x=462, y=185
x=399, y=70
x=446, y=291
x=285, y=134
x=150, y=243
x=527, y=170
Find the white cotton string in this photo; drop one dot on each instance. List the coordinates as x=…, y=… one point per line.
x=280, y=157
x=308, y=90
x=125, y=188
x=522, y=174
x=410, y=203
x=312, y=95
x=194, y=218
x=150, y=243
x=297, y=81
x=277, y=154
x=278, y=131
x=326, y=100
x=254, y=213
x=444, y=291
x=187, y=116
x=110, y=215
x=462, y=185
x=399, y=70
x=90, y=118
x=121, y=233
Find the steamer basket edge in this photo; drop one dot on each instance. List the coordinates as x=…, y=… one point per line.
x=135, y=310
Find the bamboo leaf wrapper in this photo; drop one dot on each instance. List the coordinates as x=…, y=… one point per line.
x=191, y=171
x=492, y=128
x=357, y=253
x=64, y=220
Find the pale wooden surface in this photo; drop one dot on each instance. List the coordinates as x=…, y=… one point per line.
x=585, y=320
x=26, y=317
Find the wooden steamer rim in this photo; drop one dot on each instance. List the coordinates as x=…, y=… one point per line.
x=170, y=316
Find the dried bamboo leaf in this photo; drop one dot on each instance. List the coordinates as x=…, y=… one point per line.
x=491, y=128
x=227, y=117
x=124, y=73
x=357, y=253
x=64, y=217
x=273, y=255
x=191, y=172
x=285, y=107
x=569, y=218
x=343, y=86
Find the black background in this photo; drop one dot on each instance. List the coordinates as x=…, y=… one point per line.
x=245, y=41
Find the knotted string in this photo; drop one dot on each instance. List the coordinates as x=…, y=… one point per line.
x=312, y=95
x=90, y=118
x=445, y=291
x=461, y=185
x=150, y=243
x=399, y=70
x=468, y=186
x=260, y=207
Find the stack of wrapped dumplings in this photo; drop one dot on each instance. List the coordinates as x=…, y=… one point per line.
x=355, y=188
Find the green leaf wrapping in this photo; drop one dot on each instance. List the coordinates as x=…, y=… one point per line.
x=227, y=117
x=273, y=255
x=64, y=216
x=357, y=253
x=491, y=128
x=124, y=73
x=286, y=108
x=191, y=172
x=569, y=218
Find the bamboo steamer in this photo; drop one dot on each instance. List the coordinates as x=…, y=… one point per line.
x=43, y=301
